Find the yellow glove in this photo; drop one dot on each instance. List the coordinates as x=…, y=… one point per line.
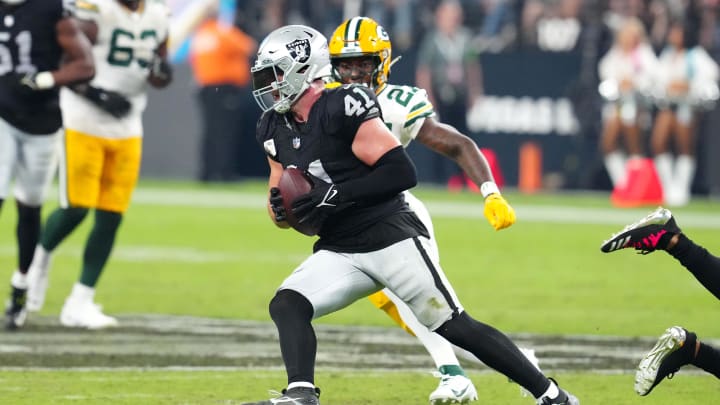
x=498, y=212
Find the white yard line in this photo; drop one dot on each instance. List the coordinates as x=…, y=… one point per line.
x=174, y=254
x=526, y=213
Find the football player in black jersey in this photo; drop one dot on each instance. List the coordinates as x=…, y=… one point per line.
x=41, y=49
x=368, y=236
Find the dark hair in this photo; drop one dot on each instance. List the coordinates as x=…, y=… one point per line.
x=690, y=31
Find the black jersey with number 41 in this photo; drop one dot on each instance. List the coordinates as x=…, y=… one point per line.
x=323, y=146
x=28, y=44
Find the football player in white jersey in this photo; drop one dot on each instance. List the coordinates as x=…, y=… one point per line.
x=360, y=51
x=102, y=144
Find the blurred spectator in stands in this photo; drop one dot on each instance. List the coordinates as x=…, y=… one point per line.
x=685, y=82
x=495, y=29
x=626, y=76
x=449, y=69
x=397, y=17
x=551, y=25
x=220, y=56
x=258, y=18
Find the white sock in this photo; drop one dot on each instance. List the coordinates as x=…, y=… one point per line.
x=439, y=349
x=615, y=166
x=19, y=280
x=684, y=172
x=41, y=257
x=82, y=292
x=552, y=392
x=300, y=384
x=664, y=167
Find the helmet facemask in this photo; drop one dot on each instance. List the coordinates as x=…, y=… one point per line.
x=357, y=69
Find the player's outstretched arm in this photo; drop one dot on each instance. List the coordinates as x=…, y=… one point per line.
x=448, y=141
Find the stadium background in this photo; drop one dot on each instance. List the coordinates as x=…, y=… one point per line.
x=544, y=91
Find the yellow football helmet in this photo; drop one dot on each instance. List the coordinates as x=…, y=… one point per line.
x=362, y=36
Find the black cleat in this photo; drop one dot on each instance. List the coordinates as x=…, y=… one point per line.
x=15, y=310
x=293, y=396
x=564, y=398
x=644, y=235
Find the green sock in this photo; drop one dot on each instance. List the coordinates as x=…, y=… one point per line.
x=99, y=245
x=451, y=370
x=59, y=225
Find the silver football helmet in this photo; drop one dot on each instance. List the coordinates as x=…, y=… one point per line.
x=288, y=60
x=12, y=2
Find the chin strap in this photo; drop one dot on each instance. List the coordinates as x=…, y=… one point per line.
x=394, y=61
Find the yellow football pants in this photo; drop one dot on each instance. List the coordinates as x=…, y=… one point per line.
x=99, y=172
x=380, y=300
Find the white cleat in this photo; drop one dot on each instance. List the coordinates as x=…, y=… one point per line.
x=660, y=361
x=37, y=278
x=82, y=313
x=453, y=389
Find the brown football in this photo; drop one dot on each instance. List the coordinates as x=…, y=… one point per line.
x=294, y=183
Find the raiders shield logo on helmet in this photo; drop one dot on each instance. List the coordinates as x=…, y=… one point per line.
x=299, y=50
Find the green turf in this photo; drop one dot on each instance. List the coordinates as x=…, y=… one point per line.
x=227, y=261
x=346, y=388
x=539, y=277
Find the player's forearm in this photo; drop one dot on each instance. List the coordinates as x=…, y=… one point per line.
x=74, y=72
x=392, y=174
x=474, y=164
x=448, y=141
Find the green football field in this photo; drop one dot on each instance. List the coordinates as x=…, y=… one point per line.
x=187, y=252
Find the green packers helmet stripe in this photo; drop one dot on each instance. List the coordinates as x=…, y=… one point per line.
x=352, y=31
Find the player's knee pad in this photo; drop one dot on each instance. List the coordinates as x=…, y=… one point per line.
x=289, y=304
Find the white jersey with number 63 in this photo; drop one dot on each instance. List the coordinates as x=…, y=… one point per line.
x=123, y=54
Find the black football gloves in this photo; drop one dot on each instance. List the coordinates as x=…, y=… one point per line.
x=276, y=205
x=110, y=101
x=316, y=206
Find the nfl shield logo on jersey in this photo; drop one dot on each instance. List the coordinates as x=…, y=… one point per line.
x=299, y=50
x=296, y=142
